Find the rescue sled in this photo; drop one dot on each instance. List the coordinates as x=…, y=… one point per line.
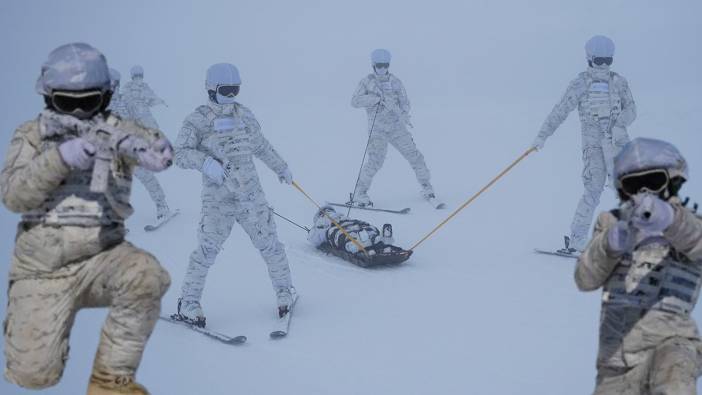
x=385, y=255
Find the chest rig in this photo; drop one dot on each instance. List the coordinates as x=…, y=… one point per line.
x=601, y=104
x=73, y=203
x=230, y=140
x=655, y=277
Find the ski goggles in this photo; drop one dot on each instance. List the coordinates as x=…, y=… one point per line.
x=228, y=90
x=599, y=61
x=654, y=181
x=381, y=65
x=70, y=102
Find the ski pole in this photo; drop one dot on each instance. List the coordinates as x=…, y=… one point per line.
x=353, y=195
x=480, y=192
x=348, y=236
x=291, y=221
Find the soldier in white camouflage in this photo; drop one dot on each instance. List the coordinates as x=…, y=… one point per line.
x=384, y=98
x=135, y=106
x=220, y=139
x=606, y=109
x=647, y=258
x=68, y=172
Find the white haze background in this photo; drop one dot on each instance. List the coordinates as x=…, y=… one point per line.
x=474, y=310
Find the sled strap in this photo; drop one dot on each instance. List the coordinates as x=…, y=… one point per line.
x=354, y=241
x=480, y=192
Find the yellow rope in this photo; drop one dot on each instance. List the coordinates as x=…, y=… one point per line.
x=469, y=201
x=348, y=236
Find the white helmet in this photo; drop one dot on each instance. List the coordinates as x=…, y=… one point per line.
x=599, y=47
x=222, y=75
x=644, y=154
x=380, y=56
x=73, y=67
x=137, y=72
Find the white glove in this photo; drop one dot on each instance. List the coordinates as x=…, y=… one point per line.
x=77, y=153
x=285, y=176
x=539, y=142
x=651, y=215
x=619, y=238
x=213, y=170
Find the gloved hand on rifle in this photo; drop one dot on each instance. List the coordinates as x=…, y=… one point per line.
x=214, y=170
x=77, y=153
x=285, y=176
x=644, y=216
x=156, y=156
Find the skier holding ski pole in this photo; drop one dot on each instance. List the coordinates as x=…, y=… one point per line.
x=387, y=106
x=606, y=109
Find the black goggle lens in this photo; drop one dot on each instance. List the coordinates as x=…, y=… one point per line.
x=228, y=90
x=70, y=102
x=599, y=61
x=655, y=181
x=382, y=65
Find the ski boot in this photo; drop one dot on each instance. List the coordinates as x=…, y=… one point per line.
x=429, y=196
x=101, y=384
x=361, y=199
x=285, y=299
x=568, y=249
x=162, y=212
x=190, y=312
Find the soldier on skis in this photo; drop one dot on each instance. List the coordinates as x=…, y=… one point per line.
x=606, y=109
x=220, y=139
x=133, y=103
x=647, y=258
x=68, y=172
x=387, y=106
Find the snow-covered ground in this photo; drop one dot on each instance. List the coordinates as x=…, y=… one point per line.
x=474, y=310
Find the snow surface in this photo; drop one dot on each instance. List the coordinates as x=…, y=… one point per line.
x=474, y=310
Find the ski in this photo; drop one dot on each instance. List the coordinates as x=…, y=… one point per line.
x=436, y=204
x=236, y=340
x=402, y=211
x=283, y=325
x=161, y=222
x=557, y=253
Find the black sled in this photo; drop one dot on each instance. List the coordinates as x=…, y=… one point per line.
x=377, y=256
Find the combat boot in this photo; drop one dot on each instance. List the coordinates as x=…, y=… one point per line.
x=114, y=385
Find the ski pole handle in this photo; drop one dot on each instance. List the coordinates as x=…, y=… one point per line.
x=345, y=233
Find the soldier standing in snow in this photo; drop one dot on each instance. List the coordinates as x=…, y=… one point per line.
x=387, y=106
x=68, y=173
x=647, y=257
x=220, y=139
x=606, y=109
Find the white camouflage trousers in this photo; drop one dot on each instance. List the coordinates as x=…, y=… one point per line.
x=153, y=187
x=671, y=369
x=402, y=140
x=598, y=164
x=41, y=311
x=220, y=210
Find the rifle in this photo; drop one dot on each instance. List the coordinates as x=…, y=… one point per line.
x=112, y=139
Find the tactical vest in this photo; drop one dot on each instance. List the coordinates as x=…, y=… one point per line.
x=72, y=203
x=229, y=140
x=655, y=277
x=602, y=104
